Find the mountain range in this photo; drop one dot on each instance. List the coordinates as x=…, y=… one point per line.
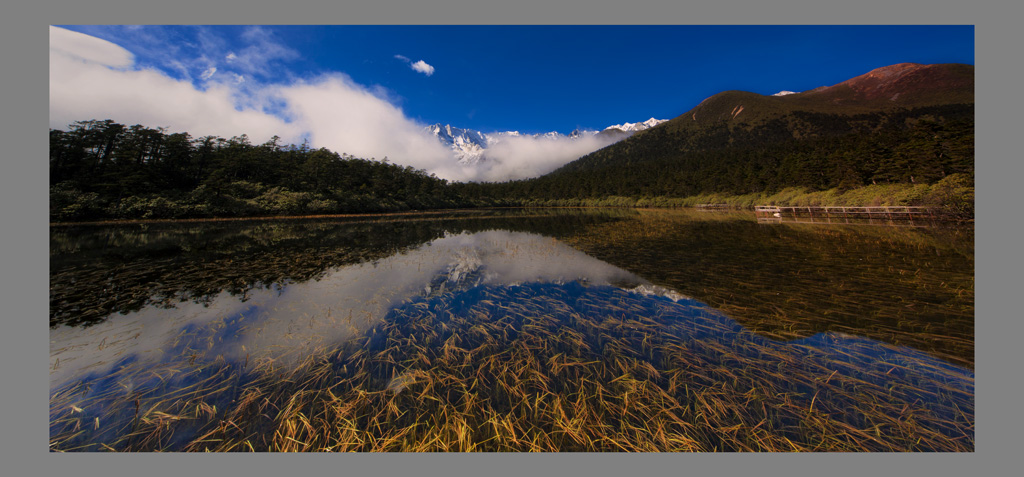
x=470, y=146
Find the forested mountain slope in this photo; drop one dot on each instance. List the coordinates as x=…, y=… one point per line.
x=903, y=123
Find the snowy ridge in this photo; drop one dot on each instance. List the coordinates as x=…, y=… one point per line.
x=784, y=93
x=470, y=146
x=467, y=144
x=579, y=133
x=650, y=123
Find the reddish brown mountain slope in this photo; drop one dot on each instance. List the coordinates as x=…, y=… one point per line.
x=903, y=84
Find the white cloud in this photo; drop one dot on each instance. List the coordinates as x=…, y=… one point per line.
x=73, y=46
x=524, y=157
x=346, y=117
x=422, y=67
x=92, y=78
x=263, y=50
x=419, y=66
x=85, y=85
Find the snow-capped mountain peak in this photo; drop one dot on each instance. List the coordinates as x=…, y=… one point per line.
x=784, y=93
x=579, y=133
x=453, y=135
x=650, y=123
x=469, y=146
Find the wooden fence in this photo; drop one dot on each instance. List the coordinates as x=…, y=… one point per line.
x=899, y=212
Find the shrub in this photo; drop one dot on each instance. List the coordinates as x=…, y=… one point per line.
x=955, y=194
x=281, y=201
x=142, y=207
x=69, y=204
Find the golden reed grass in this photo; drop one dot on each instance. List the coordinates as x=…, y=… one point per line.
x=550, y=368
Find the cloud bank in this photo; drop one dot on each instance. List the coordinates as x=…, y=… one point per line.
x=346, y=117
x=521, y=157
x=220, y=92
x=92, y=78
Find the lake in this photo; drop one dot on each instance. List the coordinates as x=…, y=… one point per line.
x=512, y=330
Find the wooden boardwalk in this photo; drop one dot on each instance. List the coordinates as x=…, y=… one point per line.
x=847, y=221
x=900, y=212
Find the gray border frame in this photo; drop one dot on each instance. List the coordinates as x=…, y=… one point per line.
x=23, y=43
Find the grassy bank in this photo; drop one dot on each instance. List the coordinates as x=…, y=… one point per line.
x=954, y=195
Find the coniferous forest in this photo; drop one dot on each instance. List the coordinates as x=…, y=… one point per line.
x=105, y=170
x=814, y=151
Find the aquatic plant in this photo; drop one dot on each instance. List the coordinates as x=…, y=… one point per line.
x=542, y=367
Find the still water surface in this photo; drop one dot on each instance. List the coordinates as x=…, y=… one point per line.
x=158, y=331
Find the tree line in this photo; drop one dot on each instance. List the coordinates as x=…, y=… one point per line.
x=100, y=169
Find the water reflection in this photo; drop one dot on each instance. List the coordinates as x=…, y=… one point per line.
x=288, y=323
x=848, y=221
x=97, y=271
x=466, y=298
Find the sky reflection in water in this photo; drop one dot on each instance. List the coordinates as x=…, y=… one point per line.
x=300, y=318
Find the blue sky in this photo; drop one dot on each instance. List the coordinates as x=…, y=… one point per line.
x=381, y=82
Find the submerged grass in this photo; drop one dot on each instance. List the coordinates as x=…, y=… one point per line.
x=537, y=367
x=912, y=287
